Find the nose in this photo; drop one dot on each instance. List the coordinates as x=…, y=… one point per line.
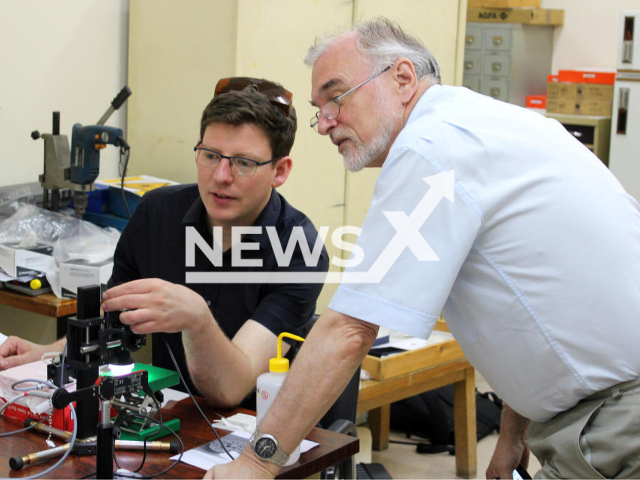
x=223, y=172
x=325, y=125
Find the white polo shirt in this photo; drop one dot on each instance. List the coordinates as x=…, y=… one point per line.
x=533, y=256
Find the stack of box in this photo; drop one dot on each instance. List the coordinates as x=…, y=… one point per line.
x=581, y=92
x=526, y=12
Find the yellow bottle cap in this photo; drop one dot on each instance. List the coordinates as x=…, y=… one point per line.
x=279, y=364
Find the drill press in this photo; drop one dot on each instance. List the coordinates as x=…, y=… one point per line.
x=77, y=168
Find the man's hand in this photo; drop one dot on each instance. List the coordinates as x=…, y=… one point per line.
x=16, y=351
x=157, y=306
x=512, y=448
x=246, y=465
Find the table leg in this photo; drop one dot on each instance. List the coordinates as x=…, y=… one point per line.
x=464, y=405
x=61, y=326
x=379, y=419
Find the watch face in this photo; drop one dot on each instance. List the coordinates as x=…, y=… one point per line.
x=265, y=448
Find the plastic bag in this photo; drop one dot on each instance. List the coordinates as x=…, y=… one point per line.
x=86, y=241
x=31, y=225
x=12, y=200
x=71, y=237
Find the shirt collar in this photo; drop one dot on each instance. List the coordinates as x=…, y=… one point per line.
x=197, y=215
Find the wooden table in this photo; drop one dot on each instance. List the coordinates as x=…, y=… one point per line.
x=48, y=305
x=410, y=373
x=333, y=448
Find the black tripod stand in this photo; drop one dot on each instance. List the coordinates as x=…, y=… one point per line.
x=93, y=341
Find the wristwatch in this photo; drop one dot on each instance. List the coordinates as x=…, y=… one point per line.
x=266, y=447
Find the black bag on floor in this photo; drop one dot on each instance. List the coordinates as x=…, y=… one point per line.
x=430, y=416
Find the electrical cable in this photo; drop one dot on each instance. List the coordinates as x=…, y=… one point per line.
x=176, y=461
x=7, y=434
x=124, y=161
x=175, y=363
x=72, y=442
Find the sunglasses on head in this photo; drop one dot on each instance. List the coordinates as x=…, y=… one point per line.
x=276, y=93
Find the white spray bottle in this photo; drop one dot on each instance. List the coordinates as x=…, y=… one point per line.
x=268, y=385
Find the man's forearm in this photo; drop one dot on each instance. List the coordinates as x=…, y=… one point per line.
x=326, y=362
x=218, y=368
x=513, y=425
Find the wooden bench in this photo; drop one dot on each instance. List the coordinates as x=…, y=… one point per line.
x=409, y=373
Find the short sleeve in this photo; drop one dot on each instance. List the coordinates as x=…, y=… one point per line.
x=419, y=229
x=289, y=306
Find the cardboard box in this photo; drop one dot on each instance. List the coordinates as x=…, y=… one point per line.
x=536, y=101
x=579, y=107
x=76, y=273
x=20, y=262
x=527, y=16
x=580, y=91
x=587, y=76
x=504, y=3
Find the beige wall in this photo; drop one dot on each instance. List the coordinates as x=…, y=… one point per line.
x=177, y=52
x=589, y=36
x=67, y=55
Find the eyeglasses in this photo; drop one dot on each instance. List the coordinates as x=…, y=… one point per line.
x=276, y=93
x=331, y=109
x=242, y=166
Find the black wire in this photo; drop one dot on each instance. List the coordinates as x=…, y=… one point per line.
x=177, y=460
x=175, y=363
x=124, y=149
x=7, y=434
x=144, y=450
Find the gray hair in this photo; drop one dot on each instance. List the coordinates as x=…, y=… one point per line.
x=382, y=42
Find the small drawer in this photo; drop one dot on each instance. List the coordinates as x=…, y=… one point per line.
x=472, y=63
x=584, y=133
x=496, y=65
x=497, y=39
x=497, y=88
x=472, y=82
x=473, y=38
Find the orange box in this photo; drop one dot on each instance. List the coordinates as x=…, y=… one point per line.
x=536, y=101
x=587, y=76
x=552, y=78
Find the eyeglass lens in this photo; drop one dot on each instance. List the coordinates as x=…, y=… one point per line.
x=242, y=166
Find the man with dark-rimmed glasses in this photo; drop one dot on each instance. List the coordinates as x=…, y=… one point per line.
x=224, y=333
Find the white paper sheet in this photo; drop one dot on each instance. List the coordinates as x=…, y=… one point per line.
x=203, y=457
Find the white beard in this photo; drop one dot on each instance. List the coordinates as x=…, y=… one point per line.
x=358, y=155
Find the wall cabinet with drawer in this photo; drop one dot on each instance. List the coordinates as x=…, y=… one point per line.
x=507, y=61
x=592, y=131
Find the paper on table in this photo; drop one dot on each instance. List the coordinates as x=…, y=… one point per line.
x=203, y=457
x=413, y=343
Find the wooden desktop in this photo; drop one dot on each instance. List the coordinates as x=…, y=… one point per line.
x=333, y=448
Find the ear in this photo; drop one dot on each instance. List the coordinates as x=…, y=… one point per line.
x=281, y=171
x=406, y=78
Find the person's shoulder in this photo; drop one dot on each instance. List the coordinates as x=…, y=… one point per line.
x=290, y=217
x=180, y=190
x=172, y=191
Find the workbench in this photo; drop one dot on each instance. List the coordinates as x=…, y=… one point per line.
x=413, y=372
x=48, y=305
